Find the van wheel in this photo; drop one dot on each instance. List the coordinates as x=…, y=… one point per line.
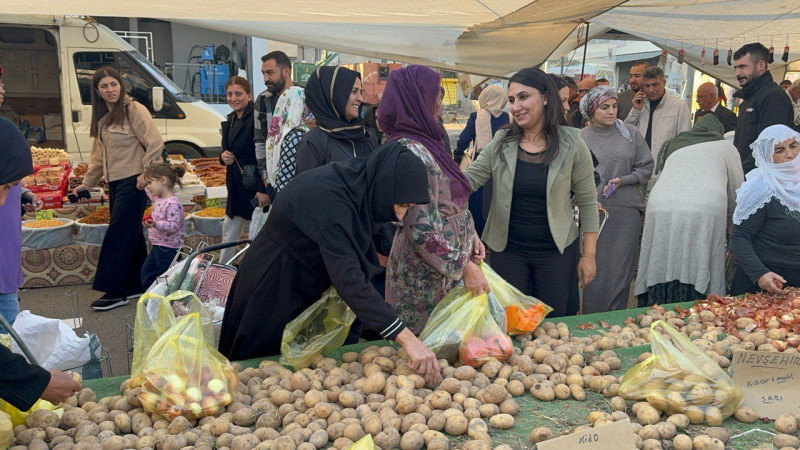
x=187, y=151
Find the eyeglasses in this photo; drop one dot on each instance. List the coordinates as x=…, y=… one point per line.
x=702, y=96
x=583, y=91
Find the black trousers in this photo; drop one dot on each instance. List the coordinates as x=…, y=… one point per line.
x=124, y=249
x=742, y=284
x=547, y=275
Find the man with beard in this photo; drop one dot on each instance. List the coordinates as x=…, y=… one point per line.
x=764, y=103
x=625, y=97
x=277, y=70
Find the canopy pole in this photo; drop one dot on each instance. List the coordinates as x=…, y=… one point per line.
x=585, y=46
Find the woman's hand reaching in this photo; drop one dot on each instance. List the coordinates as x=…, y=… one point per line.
x=420, y=357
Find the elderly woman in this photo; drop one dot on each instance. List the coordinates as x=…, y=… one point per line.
x=625, y=164
x=683, y=243
x=480, y=129
x=766, y=230
x=437, y=243
x=535, y=166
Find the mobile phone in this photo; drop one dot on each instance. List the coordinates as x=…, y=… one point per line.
x=254, y=202
x=611, y=188
x=82, y=194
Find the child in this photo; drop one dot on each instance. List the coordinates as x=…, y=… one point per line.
x=165, y=224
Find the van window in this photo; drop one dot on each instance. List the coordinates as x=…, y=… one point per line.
x=138, y=83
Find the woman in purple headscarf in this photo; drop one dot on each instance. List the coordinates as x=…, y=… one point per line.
x=437, y=245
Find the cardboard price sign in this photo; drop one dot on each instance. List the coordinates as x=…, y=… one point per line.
x=212, y=203
x=768, y=381
x=614, y=436
x=44, y=214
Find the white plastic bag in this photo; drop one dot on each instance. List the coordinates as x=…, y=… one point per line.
x=52, y=342
x=258, y=221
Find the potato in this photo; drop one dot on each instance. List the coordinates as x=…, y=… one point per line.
x=509, y=406
x=745, y=414
x=389, y=438
x=42, y=418
x=146, y=442
x=220, y=426
x=713, y=416
x=375, y=383
x=432, y=435
x=785, y=424
x=649, y=432
x=441, y=399
x=437, y=444
x=682, y=442
x=540, y=434
x=73, y=418
x=719, y=433
x=477, y=445
x=85, y=396
x=785, y=440
x=666, y=430
x=502, y=421
x=562, y=392
x=476, y=427
x=269, y=419
x=464, y=373
x=679, y=420
x=456, y=425
x=618, y=404
x=174, y=442
x=86, y=429
x=412, y=441
x=703, y=442
x=25, y=437
x=437, y=421
x=543, y=393
x=354, y=432
x=244, y=442
x=495, y=393
x=695, y=415
x=319, y=438
x=616, y=416
x=123, y=423
x=648, y=415
x=115, y=443
x=138, y=423
x=651, y=444
x=178, y=426
x=515, y=388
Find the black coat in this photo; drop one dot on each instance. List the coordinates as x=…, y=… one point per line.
x=765, y=104
x=725, y=116
x=237, y=137
x=318, y=149
x=21, y=383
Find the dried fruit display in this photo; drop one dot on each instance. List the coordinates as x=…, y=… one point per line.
x=215, y=212
x=40, y=224
x=99, y=216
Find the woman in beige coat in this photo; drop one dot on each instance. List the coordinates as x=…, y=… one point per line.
x=125, y=141
x=534, y=167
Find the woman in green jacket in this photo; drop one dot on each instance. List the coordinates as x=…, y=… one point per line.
x=535, y=167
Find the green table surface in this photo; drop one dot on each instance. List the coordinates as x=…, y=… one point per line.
x=558, y=415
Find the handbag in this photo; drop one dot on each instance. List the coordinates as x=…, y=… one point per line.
x=250, y=175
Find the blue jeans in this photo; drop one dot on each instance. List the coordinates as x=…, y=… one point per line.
x=156, y=264
x=9, y=308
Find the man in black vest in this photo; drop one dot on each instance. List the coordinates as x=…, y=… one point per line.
x=764, y=103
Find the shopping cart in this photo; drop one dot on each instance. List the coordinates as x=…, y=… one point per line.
x=197, y=271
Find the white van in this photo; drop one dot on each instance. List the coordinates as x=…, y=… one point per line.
x=48, y=63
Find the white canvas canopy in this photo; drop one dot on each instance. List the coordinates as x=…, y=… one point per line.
x=485, y=37
x=696, y=24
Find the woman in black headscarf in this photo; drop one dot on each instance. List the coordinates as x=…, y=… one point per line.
x=334, y=94
x=319, y=233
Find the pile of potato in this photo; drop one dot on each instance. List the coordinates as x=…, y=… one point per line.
x=652, y=431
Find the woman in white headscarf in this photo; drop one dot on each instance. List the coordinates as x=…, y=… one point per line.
x=766, y=230
x=480, y=129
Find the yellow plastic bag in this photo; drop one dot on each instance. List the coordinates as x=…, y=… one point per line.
x=451, y=320
x=6, y=430
x=485, y=340
x=678, y=378
x=321, y=328
x=183, y=375
x=523, y=312
x=18, y=417
x=365, y=443
x=156, y=314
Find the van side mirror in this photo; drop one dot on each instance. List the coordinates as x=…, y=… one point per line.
x=158, y=98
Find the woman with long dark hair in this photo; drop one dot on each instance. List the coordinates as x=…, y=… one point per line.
x=126, y=140
x=535, y=166
x=437, y=245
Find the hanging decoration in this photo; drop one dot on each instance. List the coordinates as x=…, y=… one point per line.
x=785, y=57
x=681, y=54
x=771, y=53
x=662, y=60
x=730, y=56
x=716, y=53
x=703, y=55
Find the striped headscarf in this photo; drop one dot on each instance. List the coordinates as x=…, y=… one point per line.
x=594, y=98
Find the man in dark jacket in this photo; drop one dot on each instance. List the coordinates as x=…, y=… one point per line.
x=709, y=103
x=22, y=384
x=764, y=103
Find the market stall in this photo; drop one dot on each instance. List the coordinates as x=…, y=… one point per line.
x=534, y=415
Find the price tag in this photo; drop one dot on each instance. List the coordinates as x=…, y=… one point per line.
x=768, y=381
x=614, y=436
x=212, y=203
x=44, y=214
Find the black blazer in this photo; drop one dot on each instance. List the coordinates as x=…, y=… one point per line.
x=237, y=137
x=21, y=384
x=725, y=115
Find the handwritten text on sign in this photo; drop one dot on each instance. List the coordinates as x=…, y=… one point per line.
x=615, y=436
x=768, y=381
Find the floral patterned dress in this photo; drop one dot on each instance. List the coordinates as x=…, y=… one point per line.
x=430, y=250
